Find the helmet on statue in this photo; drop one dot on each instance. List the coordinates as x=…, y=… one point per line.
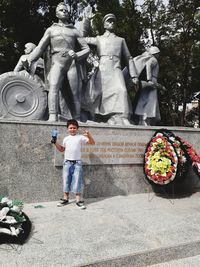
x=154, y=50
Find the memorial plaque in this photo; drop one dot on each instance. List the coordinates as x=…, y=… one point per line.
x=113, y=146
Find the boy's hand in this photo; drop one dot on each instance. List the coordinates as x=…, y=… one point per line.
x=54, y=139
x=86, y=133
x=90, y=138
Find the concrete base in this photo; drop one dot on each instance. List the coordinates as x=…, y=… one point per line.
x=112, y=167
x=131, y=231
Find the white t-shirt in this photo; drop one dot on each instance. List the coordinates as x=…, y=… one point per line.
x=72, y=145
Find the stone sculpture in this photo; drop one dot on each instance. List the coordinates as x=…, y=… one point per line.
x=22, y=63
x=146, y=100
x=104, y=96
x=61, y=39
x=23, y=94
x=108, y=97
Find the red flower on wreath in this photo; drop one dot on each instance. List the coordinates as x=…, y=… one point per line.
x=194, y=157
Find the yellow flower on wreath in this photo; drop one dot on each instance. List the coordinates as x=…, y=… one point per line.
x=159, y=164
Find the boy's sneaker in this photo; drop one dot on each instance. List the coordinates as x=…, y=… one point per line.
x=81, y=205
x=62, y=202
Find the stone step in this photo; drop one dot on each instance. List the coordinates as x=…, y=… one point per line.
x=172, y=256
x=184, y=262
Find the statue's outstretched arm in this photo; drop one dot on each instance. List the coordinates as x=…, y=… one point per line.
x=85, y=50
x=85, y=24
x=91, y=40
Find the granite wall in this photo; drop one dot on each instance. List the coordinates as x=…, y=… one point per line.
x=31, y=169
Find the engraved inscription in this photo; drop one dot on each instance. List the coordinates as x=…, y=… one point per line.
x=113, y=147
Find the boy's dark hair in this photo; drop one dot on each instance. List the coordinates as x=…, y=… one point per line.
x=73, y=122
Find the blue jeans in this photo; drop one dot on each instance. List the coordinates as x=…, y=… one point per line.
x=72, y=176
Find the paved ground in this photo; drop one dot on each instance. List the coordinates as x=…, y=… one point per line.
x=135, y=230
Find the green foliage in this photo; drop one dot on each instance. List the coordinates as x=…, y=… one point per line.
x=192, y=117
x=181, y=45
x=17, y=202
x=175, y=30
x=18, y=217
x=154, y=19
x=20, y=23
x=131, y=27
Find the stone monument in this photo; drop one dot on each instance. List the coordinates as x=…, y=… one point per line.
x=108, y=98
x=23, y=94
x=104, y=96
x=62, y=38
x=114, y=166
x=146, y=100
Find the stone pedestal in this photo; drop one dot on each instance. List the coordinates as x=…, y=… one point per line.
x=31, y=168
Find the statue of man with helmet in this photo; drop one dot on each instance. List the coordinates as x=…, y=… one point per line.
x=146, y=106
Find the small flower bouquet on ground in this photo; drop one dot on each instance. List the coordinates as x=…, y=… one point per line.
x=15, y=225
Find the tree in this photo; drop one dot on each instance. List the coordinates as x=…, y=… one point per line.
x=183, y=39
x=175, y=30
x=131, y=27
x=20, y=22
x=154, y=20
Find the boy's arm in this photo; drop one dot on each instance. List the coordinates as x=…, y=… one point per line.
x=90, y=138
x=59, y=147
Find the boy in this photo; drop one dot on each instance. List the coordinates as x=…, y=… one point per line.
x=72, y=166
